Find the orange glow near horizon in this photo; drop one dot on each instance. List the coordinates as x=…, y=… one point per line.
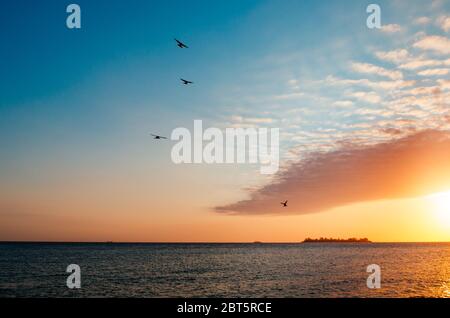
x=176, y=205
x=407, y=220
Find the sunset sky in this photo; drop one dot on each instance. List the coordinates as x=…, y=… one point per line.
x=364, y=118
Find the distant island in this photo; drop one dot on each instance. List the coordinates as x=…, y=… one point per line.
x=332, y=240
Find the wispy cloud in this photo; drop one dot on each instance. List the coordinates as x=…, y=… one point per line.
x=420, y=63
x=434, y=72
x=289, y=96
x=250, y=120
x=365, y=101
x=391, y=28
x=444, y=23
x=386, y=85
x=445, y=84
x=422, y=20
x=436, y=43
x=369, y=97
x=343, y=103
x=367, y=68
x=395, y=56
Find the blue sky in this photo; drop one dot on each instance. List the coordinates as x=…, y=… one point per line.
x=78, y=103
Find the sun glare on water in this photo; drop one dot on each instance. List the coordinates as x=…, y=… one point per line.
x=441, y=207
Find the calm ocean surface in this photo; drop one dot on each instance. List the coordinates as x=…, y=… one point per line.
x=224, y=270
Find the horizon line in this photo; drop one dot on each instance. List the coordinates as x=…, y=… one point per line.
x=199, y=242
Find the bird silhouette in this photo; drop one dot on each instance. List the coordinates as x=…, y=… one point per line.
x=284, y=204
x=181, y=45
x=158, y=137
x=185, y=82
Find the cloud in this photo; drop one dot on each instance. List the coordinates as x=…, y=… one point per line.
x=421, y=90
x=445, y=84
x=294, y=84
x=384, y=85
x=434, y=72
x=419, y=63
x=369, y=97
x=391, y=28
x=343, y=103
x=422, y=20
x=392, y=131
x=371, y=111
x=444, y=23
x=289, y=96
x=411, y=166
x=439, y=44
x=395, y=56
x=250, y=120
x=367, y=68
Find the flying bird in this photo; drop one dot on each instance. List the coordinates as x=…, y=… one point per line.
x=284, y=204
x=158, y=137
x=185, y=82
x=181, y=45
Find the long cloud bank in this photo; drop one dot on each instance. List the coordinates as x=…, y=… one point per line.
x=412, y=166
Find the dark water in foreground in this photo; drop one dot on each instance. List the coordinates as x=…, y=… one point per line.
x=225, y=270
